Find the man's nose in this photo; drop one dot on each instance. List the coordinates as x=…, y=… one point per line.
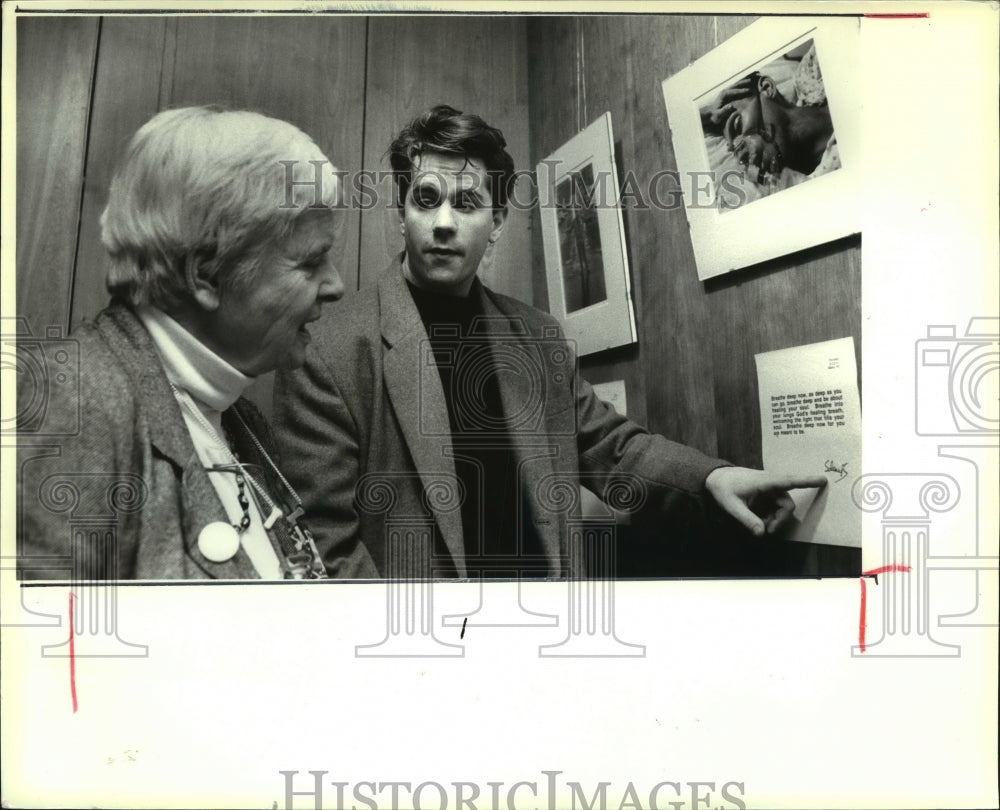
x=444, y=218
x=331, y=288
x=752, y=116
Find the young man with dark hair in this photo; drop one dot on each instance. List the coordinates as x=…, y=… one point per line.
x=438, y=421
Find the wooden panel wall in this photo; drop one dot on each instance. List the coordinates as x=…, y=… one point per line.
x=693, y=367
x=55, y=62
x=309, y=71
x=126, y=95
x=348, y=81
x=692, y=375
x=475, y=64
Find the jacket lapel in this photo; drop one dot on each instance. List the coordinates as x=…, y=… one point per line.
x=519, y=358
x=414, y=388
x=169, y=436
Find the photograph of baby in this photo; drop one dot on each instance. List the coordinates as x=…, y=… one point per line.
x=774, y=126
x=582, y=260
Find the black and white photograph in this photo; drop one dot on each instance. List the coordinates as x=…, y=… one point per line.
x=318, y=330
x=587, y=272
x=580, y=241
x=774, y=125
x=764, y=130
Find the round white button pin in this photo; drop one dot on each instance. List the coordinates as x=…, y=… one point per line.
x=219, y=542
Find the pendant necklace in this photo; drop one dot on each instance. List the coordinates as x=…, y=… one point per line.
x=300, y=557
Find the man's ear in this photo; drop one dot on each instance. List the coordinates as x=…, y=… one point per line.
x=201, y=283
x=499, y=219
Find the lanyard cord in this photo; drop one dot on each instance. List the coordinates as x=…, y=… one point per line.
x=296, y=500
x=302, y=559
x=237, y=466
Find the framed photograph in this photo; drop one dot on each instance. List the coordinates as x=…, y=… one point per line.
x=765, y=130
x=585, y=262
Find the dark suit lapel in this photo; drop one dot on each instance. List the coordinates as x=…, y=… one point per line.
x=517, y=363
x=518, y=358
x=414, y=388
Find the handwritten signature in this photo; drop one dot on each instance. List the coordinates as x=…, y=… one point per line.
x=841, y=470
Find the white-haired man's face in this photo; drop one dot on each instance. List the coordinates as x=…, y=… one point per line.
x=265, y=326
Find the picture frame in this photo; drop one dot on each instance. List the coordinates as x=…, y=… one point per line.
x=765, y=131
x=586, y=265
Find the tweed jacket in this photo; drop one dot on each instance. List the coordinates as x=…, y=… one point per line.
x=365, y=431
x=127, y=488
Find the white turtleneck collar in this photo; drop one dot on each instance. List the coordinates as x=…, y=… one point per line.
x=190, y=364
x=207, y=384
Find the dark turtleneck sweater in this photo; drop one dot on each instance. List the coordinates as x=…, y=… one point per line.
x=485, y=461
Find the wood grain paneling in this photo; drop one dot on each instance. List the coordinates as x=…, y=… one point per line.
x=588, y=89
x=801, y=298
x=474, y=63
x=55, y=64
x=555, y=117
x=679, y=397
x=126, y=95
x=308, y=70
x=726, y=25
x=694, y=364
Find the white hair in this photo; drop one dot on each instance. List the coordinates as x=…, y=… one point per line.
x=211, y=186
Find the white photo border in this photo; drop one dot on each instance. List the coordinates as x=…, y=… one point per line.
x=811, y=213
x=609, y=323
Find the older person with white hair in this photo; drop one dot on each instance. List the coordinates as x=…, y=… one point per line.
x=220, y=230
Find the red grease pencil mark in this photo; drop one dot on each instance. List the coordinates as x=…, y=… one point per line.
x=861, y=621
x=885, y=569
x=72, y=654
x=874, y=572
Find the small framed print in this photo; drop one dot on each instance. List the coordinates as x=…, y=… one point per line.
x=765, y=130
x=586, y=267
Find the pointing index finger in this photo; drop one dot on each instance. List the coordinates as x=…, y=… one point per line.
x=786, y=482
x=804, y=481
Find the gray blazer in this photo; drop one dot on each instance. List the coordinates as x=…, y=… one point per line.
x=367, y=443
x=127, y=489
